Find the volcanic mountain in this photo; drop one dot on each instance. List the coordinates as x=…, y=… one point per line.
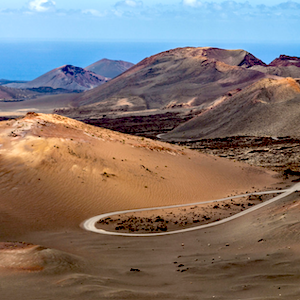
x=269, y=107
x=176, y=78
x=285, y=61
x=109, y=68
x=66, y=77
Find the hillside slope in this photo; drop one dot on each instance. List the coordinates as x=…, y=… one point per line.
x=269, y=107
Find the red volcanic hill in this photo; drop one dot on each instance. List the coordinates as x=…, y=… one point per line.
x=182, y=77
x=109, y=68
x=285, y=61
x=66, y=77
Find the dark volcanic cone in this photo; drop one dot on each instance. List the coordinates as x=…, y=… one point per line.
x=65, y=77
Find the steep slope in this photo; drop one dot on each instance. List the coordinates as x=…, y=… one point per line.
x=109, y=68
x=180, y=77
x=65, y=77
x=269, y=107
x=56, y=172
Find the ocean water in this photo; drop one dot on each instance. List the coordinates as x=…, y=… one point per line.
x=26, y=60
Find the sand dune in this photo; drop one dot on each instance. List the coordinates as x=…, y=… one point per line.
x=56, y=172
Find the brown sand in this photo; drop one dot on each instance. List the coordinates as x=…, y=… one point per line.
x=55, y=173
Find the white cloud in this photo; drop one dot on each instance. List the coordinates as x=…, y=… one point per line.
x=93, y=12
x=129, y=4
x=42, y=5
x=205, y=10
x=128, y=8
x=192, y=3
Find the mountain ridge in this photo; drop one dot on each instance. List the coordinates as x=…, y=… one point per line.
x=182, y=76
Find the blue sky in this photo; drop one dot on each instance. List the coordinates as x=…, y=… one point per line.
x=217, y=20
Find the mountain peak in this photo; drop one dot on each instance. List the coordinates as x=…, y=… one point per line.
x=109, y=68
x=67, y=77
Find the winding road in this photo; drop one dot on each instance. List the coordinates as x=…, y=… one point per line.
x=90, y=224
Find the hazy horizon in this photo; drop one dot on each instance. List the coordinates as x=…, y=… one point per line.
x=37, y=35
x=27, y=60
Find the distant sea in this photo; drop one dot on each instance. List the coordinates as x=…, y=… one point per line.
x=20, y=60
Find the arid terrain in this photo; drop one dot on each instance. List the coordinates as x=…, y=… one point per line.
x=279, y=154
x=233, y=125
x=224, y=92
x=57, y=172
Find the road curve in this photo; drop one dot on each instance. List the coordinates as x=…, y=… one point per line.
x=90, y=224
